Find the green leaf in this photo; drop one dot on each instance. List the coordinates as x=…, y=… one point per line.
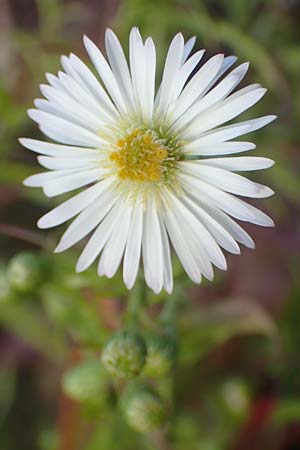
x=206, y=328
x=26, y=322
x=287, y=410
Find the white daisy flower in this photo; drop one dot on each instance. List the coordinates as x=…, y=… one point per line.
x=150, y=161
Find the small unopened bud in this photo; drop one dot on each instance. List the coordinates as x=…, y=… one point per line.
x=26, y=271
x=124, y=355
x=59, y=306
x=143, y=409
x=236, y=396
x=161, y=355
x=86, y=382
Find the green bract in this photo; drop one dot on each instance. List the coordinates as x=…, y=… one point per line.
x=143, y=408
x=124, y=355
x=161, y=355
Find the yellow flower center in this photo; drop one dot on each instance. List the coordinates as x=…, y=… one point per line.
x=140, y=156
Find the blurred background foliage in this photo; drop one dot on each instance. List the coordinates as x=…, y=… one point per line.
x=237, y=382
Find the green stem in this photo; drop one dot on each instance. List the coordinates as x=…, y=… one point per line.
x=168, y=315
x=136, y=300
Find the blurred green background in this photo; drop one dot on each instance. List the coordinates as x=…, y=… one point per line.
x=237, y=383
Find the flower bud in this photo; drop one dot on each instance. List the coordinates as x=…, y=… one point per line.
x=86, y=382
x=235, y=396
x=161, y=355
x=143, y=408
x=124, y=355
x=26, y=271
x=58, y=305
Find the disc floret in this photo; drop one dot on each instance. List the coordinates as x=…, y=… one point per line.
x=144, y=155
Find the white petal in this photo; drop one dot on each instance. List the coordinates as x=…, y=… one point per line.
x=220, y=148
x=181, y=246
x=204, y=239
x=172, y=66
x=59, y=135
x=70, y=70
x=228, y=62
x=133, y=246
x=114, y=248
x=87, y=220
x=152, y=247
x=237, y=208
x=74, y=110
x=65, y=163
x=71, y=207
x=225, y=180
x=100, y=236
x=218, y=93
x=75, y=115
x=227, y=110
x=44, y=105
x=138, y=68
x=219, y=233
x=63, y=151
x=150, y=79
x=39, y=179
x=94, y=86
x=143, y=66
x=72, y=181
x=83, y=136
x=83, y=96
x=245, y=90
x=188, y=47
x=214, y=96
x=184, y=73
x=105, y=73
x=233, y=228
x=196, y=86
x=55, y=82
x=239, y=163
x=168, y=272
x=231, y=131
x=189, y=228
x=119, y=66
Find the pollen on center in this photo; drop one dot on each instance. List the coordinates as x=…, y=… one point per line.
x=140, y=156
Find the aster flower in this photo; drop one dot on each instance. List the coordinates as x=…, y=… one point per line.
x=154, y=165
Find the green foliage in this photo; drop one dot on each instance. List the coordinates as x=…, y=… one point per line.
x=5, y=289
x=207, y=329
x=288, y=410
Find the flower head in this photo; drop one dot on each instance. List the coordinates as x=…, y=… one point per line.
x=154, y=165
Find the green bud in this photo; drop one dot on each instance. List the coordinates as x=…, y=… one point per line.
x=5, y=289
x=143, y=408
x=26, y=271
x=161, y=355
x=124, y=355
x=58, y=305
x=86, y=382
x=235, y=396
